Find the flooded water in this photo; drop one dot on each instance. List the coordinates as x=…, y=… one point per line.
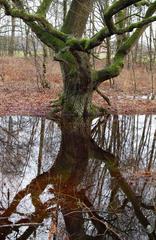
x=64, y=179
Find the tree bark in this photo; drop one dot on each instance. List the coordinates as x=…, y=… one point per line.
x=78, y=87
x=12, y=38
x=73, y=50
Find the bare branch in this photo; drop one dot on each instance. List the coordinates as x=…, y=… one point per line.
x=38, y=24
x=115, y=8
x=118, y=63
x=44, y=7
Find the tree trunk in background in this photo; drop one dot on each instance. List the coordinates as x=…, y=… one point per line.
x=64, y=9
x=12, y=38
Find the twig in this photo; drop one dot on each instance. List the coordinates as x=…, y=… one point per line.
x=103, y=96
x=20, y=224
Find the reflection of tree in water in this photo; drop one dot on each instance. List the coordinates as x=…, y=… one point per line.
x=128, y=137
x=20, y=152
x=87, y=192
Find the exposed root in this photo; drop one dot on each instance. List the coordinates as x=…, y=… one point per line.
x=55, y=102
x=56, y=108
x=100, y=111
x=55, y=112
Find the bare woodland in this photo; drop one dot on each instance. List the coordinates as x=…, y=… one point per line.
x=84, y=166
x=92, y=41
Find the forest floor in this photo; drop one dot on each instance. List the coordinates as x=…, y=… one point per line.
x=21, y=92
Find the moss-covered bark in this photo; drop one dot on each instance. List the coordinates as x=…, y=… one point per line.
x=72, y=50
x=78, y=89
x=77, y=17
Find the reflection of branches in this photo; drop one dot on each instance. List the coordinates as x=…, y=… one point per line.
x=129, y=137
x=99, y=222
x=41, y=213
x=40, y=154
x=81, y=208
x=73, y=170
x=112, y=165
x=152, y=152
x=38, y=185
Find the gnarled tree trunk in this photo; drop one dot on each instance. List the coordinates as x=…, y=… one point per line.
x=73, y=50
x=78, y=87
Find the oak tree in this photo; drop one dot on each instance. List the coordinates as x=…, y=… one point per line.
x=73, y=50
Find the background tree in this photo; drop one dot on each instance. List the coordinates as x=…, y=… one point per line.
x=73, y=51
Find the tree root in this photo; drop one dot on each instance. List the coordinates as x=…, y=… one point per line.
x=56, y=102
x=55, y=113
x=56, y=108
x=100, y=111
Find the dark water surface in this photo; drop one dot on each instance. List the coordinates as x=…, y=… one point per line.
x=78, y=180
